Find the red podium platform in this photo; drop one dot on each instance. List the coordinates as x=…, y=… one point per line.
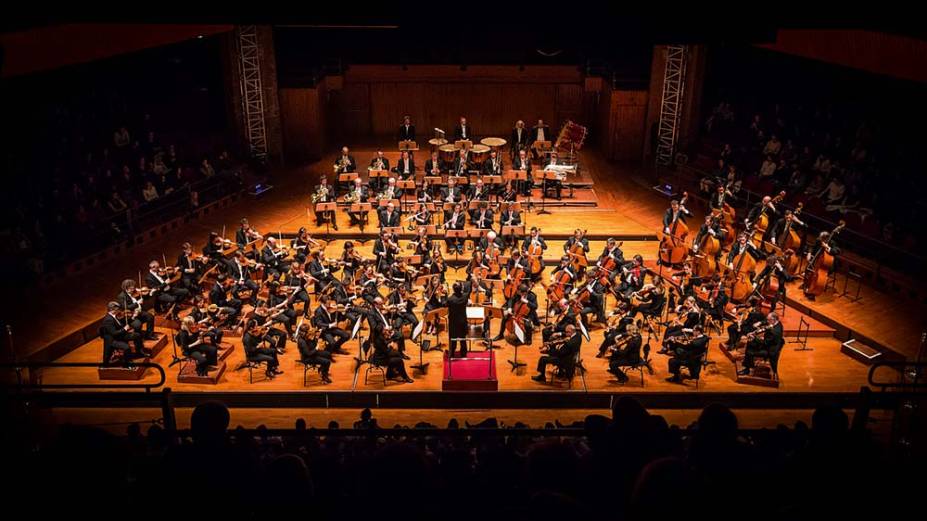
x=476, y=372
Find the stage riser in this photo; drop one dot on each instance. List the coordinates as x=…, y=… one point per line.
x=406, y=235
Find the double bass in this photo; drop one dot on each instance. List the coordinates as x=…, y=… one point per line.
x=738, y=278
x=673, y=249
x=706, y=264
x=758, y=230
x=727, y=215
x=821, y=263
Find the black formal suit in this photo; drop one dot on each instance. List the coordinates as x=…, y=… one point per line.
x=143, y=321
x=309, y=353
x=536, y=134
x=453, y=193
x=351, y=164
x=461, y=166
x=481, y=218
x=116, y=338
x=189, y=272
x=241, y=274
x=406, y=133
x=165, y=295
x=361, y=194
x=680, y=215
x=453, y=222
x=689, y=355
x=271, y=261
x=524, y=187
x=257, y=350
x=519, y=140
x=219, y=296
x=465, y=132
x=378, y=163
x=457, y=321
x=323, y=275
x=562, y=356
x=530, y=319
x=333, y=335
x=496, y=167
x=204, y=354
x=432, y=164
x=629, y=355
x=388, y=357
x=747, y=247
x=769, y=346
x=389, y=219
x=402, y=166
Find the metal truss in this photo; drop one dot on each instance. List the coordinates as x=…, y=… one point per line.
x=252, y=92
x=674, y=84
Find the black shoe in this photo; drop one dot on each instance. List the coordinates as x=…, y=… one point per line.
x=326, y=379
x=269, y=375
x=600, y=355
x=663, y=351
x=744, y=372
x=539, y=378
x=277, y=371
x=497, y=338
x=407, y=380
x=675, y=379
x=405, y=357
x=334, y=226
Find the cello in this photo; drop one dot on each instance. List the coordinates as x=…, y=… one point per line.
x=492, y=256
x=820, y=265
x=577, y=254
x=673, y=249
x=535, y=256
x=557, y=288
x=513, y=279
x=520, y=312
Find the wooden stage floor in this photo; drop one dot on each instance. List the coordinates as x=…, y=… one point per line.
x=626, y=207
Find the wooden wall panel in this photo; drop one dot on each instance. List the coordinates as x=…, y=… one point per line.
x=294, y=111
x=630, y=114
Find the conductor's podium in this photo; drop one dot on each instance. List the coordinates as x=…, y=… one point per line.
x=475, y=372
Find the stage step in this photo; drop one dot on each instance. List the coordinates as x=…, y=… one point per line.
x=860, y=351
x=188, y=374
x=135, y=372
x=157, y=344
x=224, y=350
x=762, y=373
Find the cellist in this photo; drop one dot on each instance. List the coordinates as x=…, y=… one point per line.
x=522, y=297
x=531, y=244
x=611, y=259
x=577, y=247
x=561, y=280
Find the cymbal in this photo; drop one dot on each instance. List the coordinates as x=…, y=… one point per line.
x=493, y=141
x=437, y=141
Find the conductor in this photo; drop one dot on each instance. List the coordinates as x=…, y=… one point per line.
x=457, y=320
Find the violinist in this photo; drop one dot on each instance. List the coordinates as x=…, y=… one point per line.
x=524, y=296
x=688, y=315
x=618, y=322
x=325, y=321
x=747, y=321
x=562, y=356
x=210, y=317
x=651, y=299
x=197, y=345
x=320, y=270
x=400, y=274
x=119, y=335
x=676, y=212
x=272, y=257
x=215, y=247
x=389, y=216
x=294, y=283
x=385, y=249
x=422, y=244
x=566, y=316
x=438, y=267
x=385, y=352
x=774, y=269
x=628, y=355
x=245, y=234
x=166, y=296
x=743, y=245
x=307, y=342
x=370, y=282
x=302, y=244
x=258, y=348
x=436, y=299
x=268, y=318
x=482, y=217
x=239, y=271
x=132, y=302
x=280, y=303
x=345, y=302
x=632, y=278
x=379, y=323
x=454, y=220
x=189, y=267
x=403, y=304
x=769, y=346
x=218, y=295
x=687, y=353
x=351, y=262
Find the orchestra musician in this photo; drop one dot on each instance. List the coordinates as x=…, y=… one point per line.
x=214, y=248
x=525, y=296
x=463, y=131
x=521, y=162
x=632, y=277
x=617, y=327
x=478, y=191
x=510, y=216
x=350, y=263
x=675, y=212
x=769, y=346
x=258, y=348
x=301, y=245
x=320, y=270
x=451, y=194
x=389, y=216
x=385, y=248
x=383, y=341
x=562, y=356
x=119, y=335
x=271, y=257
x=426, y=193
x=757, y=210
x=688, y=316
x=482, y=217
x=433, y=165
x=323, y=319
x=566, y=316
x=509, y=192
x=454, y=220
x=490, y=239
x=239, y=271
x=267, y=319
x=596, y=300
x=296, y=281
x=539, y=133
x=612, y=251
x=245, y=234
x=390, y=192
x=579, y=236
x=166, y=296
x=687, y=353
x=743, y=245
x=745, y=323
x=520, y=139
x=721, y=197
x=280, y=300
x=406, y=129
x=494, y=166
x=652, y=299
x=461, y=165
x=344, y=164
x=189, y=266
x=308, y=342
x=627, y=355
x=218, y=295
x=789, y=220
x=132, y=302
x=711, y=226
x=358, y=194
x=324, y=193
x=402, y=303
x=773, y=268
x=553, y=184
x=436, y=294
x=824, y=242
x=379, y=162
x=197, y=345
x=405, y=168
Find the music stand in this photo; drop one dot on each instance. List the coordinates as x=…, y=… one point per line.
x=475, y=234
x=456, y=234
x=346, y=178
x=376, y=174
x=407, y=145
x=327, y=207
x=435, y=315
x=408, y=184
x=363, y=209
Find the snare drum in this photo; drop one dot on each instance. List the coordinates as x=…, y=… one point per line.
x=479, y=153
x=447, y=153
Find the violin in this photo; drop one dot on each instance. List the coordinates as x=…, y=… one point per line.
x=673, y=249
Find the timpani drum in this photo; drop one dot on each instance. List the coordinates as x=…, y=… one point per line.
x=494, y=143
x=479, y=154
x=447, y=153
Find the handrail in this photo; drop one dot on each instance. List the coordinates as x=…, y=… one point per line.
x=918, y=368
x=18, y=367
